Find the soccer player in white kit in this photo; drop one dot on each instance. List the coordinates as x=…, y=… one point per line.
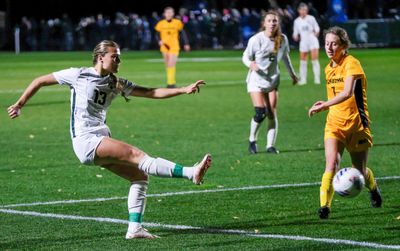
x=92, y=90
x=306, y=29
x=263, y=52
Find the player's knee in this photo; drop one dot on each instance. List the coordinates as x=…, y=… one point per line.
x=260, y=114
x=136, y=154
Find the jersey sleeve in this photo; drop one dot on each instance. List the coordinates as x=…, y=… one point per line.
x=67, y=76
x=249, y=52
x=179, y=25
x=158, y=26
x=127, y=87
x=353, y=68
x=315, y=25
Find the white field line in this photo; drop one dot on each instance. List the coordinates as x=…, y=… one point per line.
x=181, y=193
x=208, y=230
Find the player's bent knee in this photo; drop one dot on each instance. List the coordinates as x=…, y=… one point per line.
x=260, y=115
x=135, y=154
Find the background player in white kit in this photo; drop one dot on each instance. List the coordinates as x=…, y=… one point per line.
x=264, y=50
x=306, y=29
x=92, y=90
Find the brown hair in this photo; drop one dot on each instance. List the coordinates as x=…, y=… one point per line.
x=278, y=33
x=101, y=49
x=341, y=33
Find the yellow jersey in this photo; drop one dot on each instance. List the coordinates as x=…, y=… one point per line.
x=353, y=112
x=169, y=32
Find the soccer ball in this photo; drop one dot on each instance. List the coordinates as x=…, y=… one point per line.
x=348, y=182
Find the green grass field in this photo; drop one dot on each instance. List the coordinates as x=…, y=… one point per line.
x=37, y=163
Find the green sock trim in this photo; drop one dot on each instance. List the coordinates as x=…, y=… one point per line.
x=178, y=171
x=135, y=217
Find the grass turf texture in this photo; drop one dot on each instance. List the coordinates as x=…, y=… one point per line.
x=37, y=162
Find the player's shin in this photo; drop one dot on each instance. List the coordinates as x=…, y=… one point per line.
x=254, y=127
x=164, y=168
x=316, y=69
x=136, y=204
x=171, y=72
x=303, y=71
x=370, y=182
x=326, y=189
x=272, y=131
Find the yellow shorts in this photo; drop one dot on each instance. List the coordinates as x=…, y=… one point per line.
x=173, y=49
x=354, y=140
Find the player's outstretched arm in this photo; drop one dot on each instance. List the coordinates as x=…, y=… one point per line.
x=348, y=91
x=45, y=80
x=159, y=93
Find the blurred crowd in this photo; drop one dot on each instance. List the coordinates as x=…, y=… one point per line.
x=206, y=28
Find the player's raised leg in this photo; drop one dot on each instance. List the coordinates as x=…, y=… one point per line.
x=272, y=131
x=114, y=152
x=359, y=161
x=134, y=165
x=333, y=153
x=259, y=103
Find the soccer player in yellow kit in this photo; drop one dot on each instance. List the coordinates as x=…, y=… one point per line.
x=347, y=123
x=168, y=40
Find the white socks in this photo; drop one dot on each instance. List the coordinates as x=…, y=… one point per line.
x=303, y=72
x=164, y=168
x=254, y=126
x=136, y=204
x=272, y=131
x=316, y=70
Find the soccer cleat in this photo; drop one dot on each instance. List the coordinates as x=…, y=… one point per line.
x=317, y=83
x=324, y=212
x=375, y=197
x=252, y=147
x=171, y=86
x=302, y=83
x=201, y=168
x=272, y=150
x=140, y=233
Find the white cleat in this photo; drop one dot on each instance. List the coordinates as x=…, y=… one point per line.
x=302, y=83
x=140, y=233
x=201, y=168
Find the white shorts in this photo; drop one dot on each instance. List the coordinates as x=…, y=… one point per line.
x=256, y=83
x=85, y=145
x=309, y=44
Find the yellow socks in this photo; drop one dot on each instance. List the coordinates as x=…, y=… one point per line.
x=326, y=189
x=370, y=182
x=171, y=75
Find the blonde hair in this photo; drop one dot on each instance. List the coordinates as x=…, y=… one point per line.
x=342, y=35
x=278, y=33
x=101, y=49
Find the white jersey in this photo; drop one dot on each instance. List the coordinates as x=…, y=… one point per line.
x=91, y=95
x=260, y=49
x=305, y=27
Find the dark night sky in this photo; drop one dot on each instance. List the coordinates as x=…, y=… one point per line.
x=78, y=8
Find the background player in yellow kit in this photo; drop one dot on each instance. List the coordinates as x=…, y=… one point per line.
x=170, y=31
x=347, y=123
